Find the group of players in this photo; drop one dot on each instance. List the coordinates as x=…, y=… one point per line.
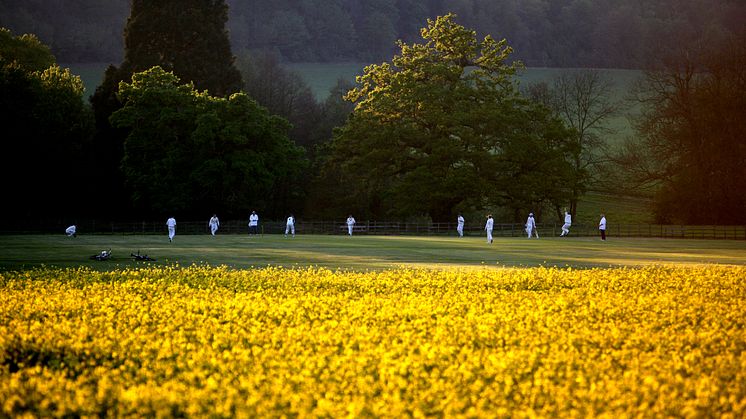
x=530, y=226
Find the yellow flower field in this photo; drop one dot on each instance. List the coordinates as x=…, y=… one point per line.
x=198, y=341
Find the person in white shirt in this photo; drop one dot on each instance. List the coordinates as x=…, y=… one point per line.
x=290, y=226
x=488, y=227
x=460, y=226
x=602, y=227
x=71, y=231
x=253, y=223
x=171, y=224
x=214, y=224
x=531, y=225
x=566, y=226
x=350, y=224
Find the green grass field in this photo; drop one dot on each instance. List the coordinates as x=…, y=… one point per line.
x=362, y=252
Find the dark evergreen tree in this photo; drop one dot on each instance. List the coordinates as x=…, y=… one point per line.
x=186, y=37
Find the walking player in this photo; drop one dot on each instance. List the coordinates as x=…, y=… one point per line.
x=171, y=223
x=214, y=224
x=531, y=225
x=350, y=224
x=602, y=227
x=460, y=226
x=488, y=227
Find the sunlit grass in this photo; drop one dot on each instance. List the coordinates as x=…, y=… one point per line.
x=363, y=252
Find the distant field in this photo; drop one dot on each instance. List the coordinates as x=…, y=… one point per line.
x=621, y=209
x=622, y=83
x=363, y=252
x=92, y=74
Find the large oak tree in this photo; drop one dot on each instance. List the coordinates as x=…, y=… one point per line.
x=441, y=129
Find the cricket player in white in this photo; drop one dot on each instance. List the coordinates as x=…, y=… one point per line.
x=290, y=226
x=253, y=222
x=488, y=228
x=566, y=226
x=531, y=225
x=214, y=224
x=71, y=231
x=350, y=224
x=460, y=226
x=171, y=223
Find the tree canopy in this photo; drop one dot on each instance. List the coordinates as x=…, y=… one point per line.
x=442, y=128
x=25, y=50
x=47, y=127
x=691, y=147
x=193, y=153
x=186, y=37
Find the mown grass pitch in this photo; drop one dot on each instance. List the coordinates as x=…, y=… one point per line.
x=362, y=252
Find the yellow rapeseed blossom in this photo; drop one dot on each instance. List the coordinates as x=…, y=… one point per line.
x=212, y=341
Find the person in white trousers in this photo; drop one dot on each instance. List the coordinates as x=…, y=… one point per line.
x=171, y=224
x=290, y=226
x=460, y=226
x=71, y=231
x=531, y=225
x=253, y=223
x=488, y=227
x=214, y=224
x=566, y=226
x=350, y=224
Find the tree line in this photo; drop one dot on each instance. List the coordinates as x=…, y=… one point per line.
x=182, y=127
x=543, y=33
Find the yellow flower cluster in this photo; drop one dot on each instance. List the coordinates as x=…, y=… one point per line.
x=202, y=341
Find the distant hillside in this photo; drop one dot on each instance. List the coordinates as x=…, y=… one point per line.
x=544, y=33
